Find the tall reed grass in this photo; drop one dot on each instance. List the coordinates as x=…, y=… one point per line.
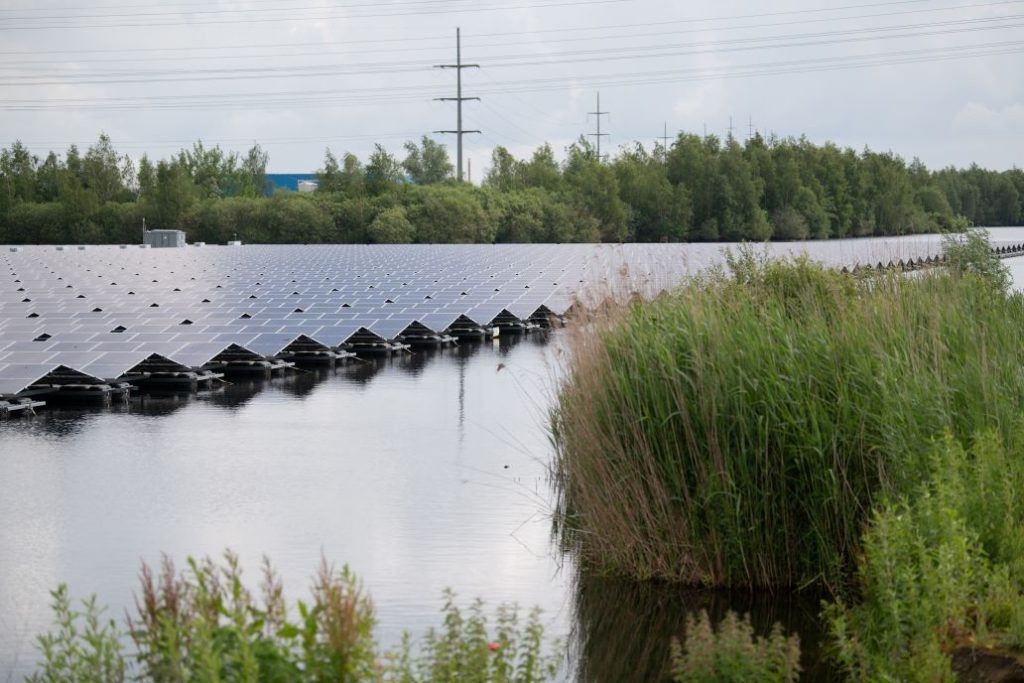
x=738, y=431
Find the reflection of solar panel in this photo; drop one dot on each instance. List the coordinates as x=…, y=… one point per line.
x=104, y=310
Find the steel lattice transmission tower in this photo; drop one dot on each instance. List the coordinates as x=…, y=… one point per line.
x=458, y=99
x=598, y=134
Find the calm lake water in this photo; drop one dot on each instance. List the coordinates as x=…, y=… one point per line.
x=423, y=472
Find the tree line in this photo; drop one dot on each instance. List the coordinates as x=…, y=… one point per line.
x=699, y=188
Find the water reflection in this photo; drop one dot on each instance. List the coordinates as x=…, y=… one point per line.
x=622, y=630
x=423, y=472
x=237, y=392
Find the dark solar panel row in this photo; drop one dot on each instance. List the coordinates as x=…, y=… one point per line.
x=104, y=309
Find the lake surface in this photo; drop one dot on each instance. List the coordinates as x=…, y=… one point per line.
x=422, y=472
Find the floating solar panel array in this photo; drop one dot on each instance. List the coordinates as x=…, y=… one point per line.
x=104, y=313
x=109, y=313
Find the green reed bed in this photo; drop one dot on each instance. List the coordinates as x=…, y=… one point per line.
x=739, y=431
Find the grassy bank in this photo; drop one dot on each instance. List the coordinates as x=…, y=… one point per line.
x=739, y=431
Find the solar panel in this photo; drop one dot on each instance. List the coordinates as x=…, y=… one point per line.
x=262, y=298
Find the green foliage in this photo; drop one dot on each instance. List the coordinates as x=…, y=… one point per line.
x=84, y=648
x=449, y=214
x=941, y=568
x=464, y=650
x=205, y=624
x=739, y=431
x=383, y=171
x=971, y=254
x=428, y=163
x=391, y=226
x=789, y=224
x=733, y=653
x=699, y=189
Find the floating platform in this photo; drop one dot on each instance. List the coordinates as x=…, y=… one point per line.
x=101, y=393
x=419, y=336
x=236, y=361
x=160, y=373
x=366, y=343
x=307, y=352
x=19, y=406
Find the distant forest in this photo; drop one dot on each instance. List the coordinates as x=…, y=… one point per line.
x=698, y=189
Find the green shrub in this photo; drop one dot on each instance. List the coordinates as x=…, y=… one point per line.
x=970, y=253
x=733, y=653
x=739, y=431
x=204, y=624
x=83, y=649
x=941, y=568
x=464, y=651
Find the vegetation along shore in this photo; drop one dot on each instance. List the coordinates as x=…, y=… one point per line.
x=696, y=189
x=784, y=426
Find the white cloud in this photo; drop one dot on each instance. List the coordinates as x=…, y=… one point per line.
x=945, y=111
x=979, y=118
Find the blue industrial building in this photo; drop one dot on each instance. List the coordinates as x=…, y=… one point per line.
x=287, y=181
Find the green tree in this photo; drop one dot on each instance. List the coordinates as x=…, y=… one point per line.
x=147, y=178
x=505, y=173
x=17, y=173
x=253, y=172
x=542, y=170
x=593, y=187
x=454, y=214
x=789, y=224
x=48, y=179
x=428, y=163
x=391, y=226
x=657, y=210
x=383, y=172
x=173, y=196
x=103, y=171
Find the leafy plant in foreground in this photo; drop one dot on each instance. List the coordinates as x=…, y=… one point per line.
x=941, y=569
x=205, y=625
x=464, y=650
x=84, y=648
x=733, y=653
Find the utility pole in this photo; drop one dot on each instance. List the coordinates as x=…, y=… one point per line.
x=598, y=134
x=730, y=127
x=750, y=128
x=458, y=99
x=664, y=140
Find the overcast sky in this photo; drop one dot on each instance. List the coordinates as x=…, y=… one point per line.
x=942, y=80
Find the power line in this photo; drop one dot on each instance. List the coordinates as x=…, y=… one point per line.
x=502, y=7
x=505, y=61
x=605, y=49
x=408, y=39
x=458, y=99
x=380, y=95
x=171, y=8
